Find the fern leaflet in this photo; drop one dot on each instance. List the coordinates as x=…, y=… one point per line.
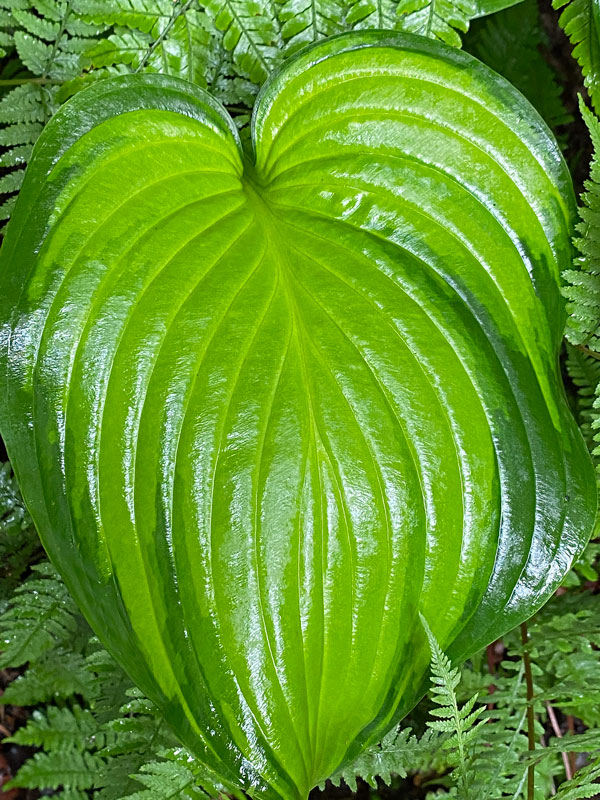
x=462, y=724
x=438, y=19
x=583, y=282
x=580, y=20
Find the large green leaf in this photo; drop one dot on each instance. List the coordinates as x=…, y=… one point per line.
x=265, y=410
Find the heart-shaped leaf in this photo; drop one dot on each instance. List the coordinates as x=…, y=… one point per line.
x=266, y=410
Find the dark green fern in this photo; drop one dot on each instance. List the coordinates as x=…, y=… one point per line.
x=583, y=282
x=514, y=44
x=580, y=20
x=50, y=41
x=19, y=543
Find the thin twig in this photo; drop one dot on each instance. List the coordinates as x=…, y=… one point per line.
x=571, y=729
x=530, y=716
x=558, y=734
x=492, y=670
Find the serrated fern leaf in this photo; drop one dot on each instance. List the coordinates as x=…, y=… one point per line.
x=57, y=729
x=59, y=675
x=495, y=762
x=583, y=283
x=71, y=794
x=509, y=42
x=584, y=371
x=306, y=21
x=365, y=14
x=461, y=723
x=69, y=770
x=121, y=47
x=438, y=19
x=224, y=82
x=584, y=783
x=111, y=684
x=40, y=616
x=580, y=20
x=175, y=38
x=50, y=42
x=147, y=16
x=7, y=26
x=19, y=543
x=398, y=753
x=203, y=777
x=164, y=780
x=187, y=53
x=251, y=33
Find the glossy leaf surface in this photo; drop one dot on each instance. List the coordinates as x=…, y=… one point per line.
x=267, y=410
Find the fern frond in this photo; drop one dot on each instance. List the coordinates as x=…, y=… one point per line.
x=24, y=102
x=462, y=724
x=584, y=371
x=306, y=21
x=251, y=32
x=137, y=724
x=204, y=778
x=495, y=762
x=121, y=47
x=564, y=647
x=398, y=753
x=12, y=509
x=57, y=729
x=147, y=16
x=40, y=616
x=19, y=543
x=50, y=42
x=578, y=20
x=584, y=784
x=50, y=39
x=582, y=288
x=19, y=133
x=69, y=770
x=59, y=675
x=510, y=42
x=110, y=683
x=6, y=207
x=71, y=794
x=365, y=14
x=7, y=26
x=166, y=779
x=176, y=38
x=224, y=82
x=438, y=19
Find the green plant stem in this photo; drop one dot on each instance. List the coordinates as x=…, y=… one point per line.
x=587, y=351
x=22, y=81
x=530, y=715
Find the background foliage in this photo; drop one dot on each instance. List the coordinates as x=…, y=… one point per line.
x=521, y=719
